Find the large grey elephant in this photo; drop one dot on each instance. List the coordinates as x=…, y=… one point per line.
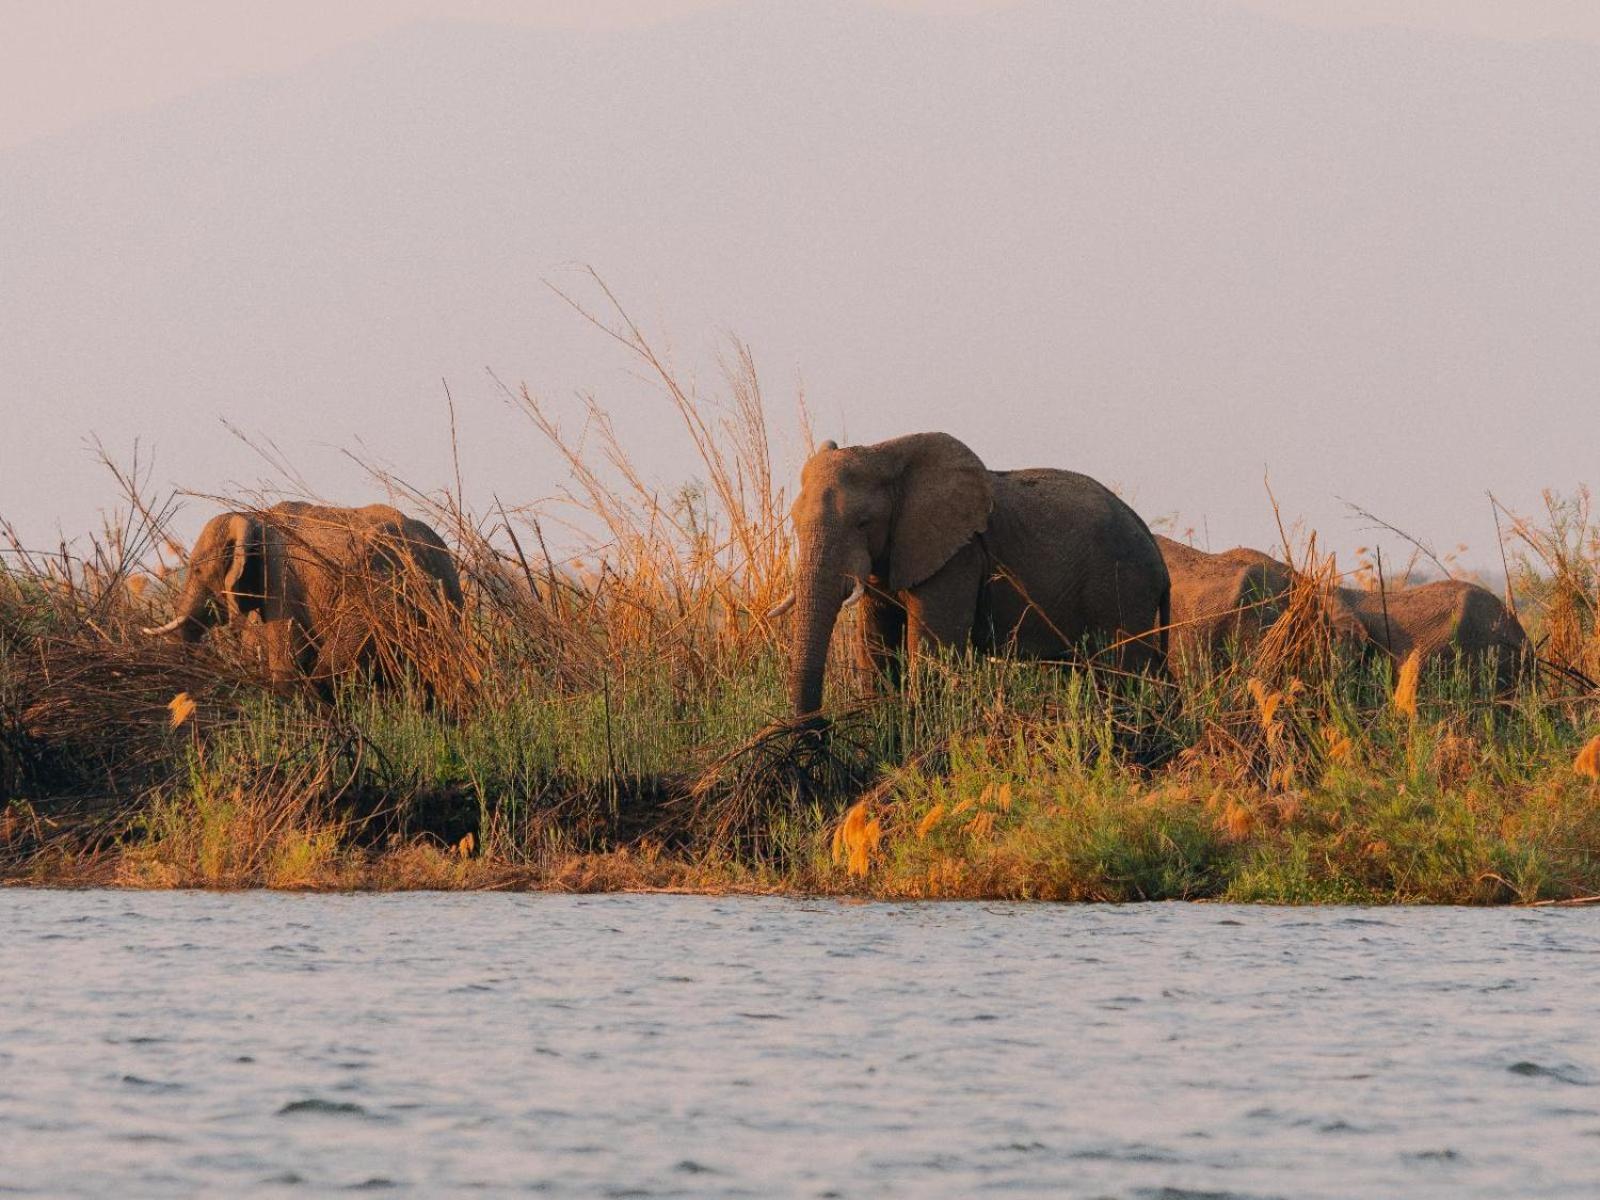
x=1227, y=601
x=943, y=552
x=1446, y=621
x=335, y=589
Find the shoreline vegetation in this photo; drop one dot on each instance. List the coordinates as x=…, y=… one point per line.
x=611, y=722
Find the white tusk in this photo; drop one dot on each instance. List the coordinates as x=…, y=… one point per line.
x=855, y=594
x=171, y=626
x=781, y=607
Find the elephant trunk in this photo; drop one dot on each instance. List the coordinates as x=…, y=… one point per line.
x=819, y=594
x=808, y=652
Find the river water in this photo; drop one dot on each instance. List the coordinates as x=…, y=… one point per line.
x=176, y=1044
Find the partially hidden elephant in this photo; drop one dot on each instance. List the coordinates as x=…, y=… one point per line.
x=336, y=590
x=943, y=552
x=1444, y=622
x=1226, y=601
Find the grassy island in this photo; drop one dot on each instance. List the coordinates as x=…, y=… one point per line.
x=612, y=719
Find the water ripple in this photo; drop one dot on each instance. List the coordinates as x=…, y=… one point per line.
x=258, y=1045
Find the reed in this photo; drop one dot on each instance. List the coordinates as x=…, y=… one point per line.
x=609, y=714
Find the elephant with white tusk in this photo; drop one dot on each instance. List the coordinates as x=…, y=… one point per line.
x=335, y=589
x=940, y=551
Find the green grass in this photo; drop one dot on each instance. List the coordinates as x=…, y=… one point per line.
x=992, y=779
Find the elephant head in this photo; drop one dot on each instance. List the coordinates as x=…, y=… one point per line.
x=227, y=576
x=890, y=514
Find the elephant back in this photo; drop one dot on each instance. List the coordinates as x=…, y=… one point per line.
x=1217, y=598
x=433, y=558
x=1442, y=620
x=1234, y=596
x=1072, y=562
x=371, y=582
x=372, y=542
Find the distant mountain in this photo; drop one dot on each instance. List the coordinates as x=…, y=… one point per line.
x=1171, y=243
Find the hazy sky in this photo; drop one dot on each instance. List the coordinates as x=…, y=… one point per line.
x=65, y=61
x=1179, y=245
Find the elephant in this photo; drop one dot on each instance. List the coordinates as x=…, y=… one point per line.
x=335, y=589
x=1227, y=601
x=1444, y=621
x=944, y=553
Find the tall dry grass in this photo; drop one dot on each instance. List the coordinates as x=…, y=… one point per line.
x=584, y=677
x=607, y=713
x=1555, y=582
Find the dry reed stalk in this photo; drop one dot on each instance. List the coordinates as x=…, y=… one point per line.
x=689, y=574
x=856, y=839
x=1404, y=699
x=1270, y=727
x=88, y=698
x=1588, y=761
x=1301, y=643
x=1558, y=571
x=786, y=769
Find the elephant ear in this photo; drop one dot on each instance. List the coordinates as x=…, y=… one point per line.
x=945, y=498
x=244, y=587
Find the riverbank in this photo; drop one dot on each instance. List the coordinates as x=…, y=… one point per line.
x=984, y=781
x=612, y=721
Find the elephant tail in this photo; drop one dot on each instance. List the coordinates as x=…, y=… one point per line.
x=1166, y=619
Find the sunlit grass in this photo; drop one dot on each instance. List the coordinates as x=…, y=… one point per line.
x=614, y=719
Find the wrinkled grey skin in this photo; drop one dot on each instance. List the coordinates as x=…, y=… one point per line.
x=1225, y=602
x=323, y=581
x=1444, y=621
x=1037, y=563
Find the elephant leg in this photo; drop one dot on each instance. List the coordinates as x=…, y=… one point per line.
x=941, y=610
x=1141, y=654
x=881, y=643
